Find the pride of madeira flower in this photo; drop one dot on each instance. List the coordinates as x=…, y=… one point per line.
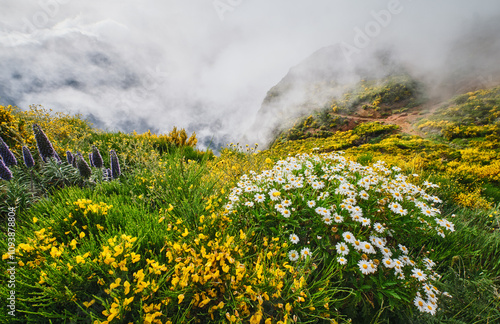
x=69, y=157
x=115, y=164
x=6, y=154
x=96, y=158
x=5, y=173
x=45, y=148
x=28, y=158
x=83, y=167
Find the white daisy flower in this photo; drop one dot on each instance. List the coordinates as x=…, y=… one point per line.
x=311, y=203
x=364, y=267
x=432, y=297
x=430, y=308
x=259, y=197
x=388, y=263
x=249, y=204
x=327, y=219
x=403, y=248
x=397, y=195
x=365, y=221
x=419, y=274
x=378, y=228
x=285, y=212
x=342, y=260
x=405, y=259
x=429, y=263
x=367, y=248
x=293, y=255
x=279, y=207
x=364, y=195
x=274, y=194
x=449, y=226
x=395, y=207
x=337, y=218
x=357, y=245
x=420, y=303
x=398, y=263
x=318, y=185
x=342, y=248
x=348, y=237
x=305, y=252
x=294, y=238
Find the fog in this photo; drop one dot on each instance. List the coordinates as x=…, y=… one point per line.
x=207, y=65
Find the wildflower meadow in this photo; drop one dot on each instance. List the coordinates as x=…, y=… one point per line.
x=361, y=225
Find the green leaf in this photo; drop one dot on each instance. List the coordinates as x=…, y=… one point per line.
x=391, y=293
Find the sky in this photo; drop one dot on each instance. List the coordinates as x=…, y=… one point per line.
x=202, y=65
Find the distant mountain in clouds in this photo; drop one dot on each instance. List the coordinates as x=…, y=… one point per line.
x=472, y=62
x=311, y=84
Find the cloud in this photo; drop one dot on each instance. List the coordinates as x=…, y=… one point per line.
x=158, y=64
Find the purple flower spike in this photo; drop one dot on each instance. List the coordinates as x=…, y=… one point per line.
x=5, y=173
x=6, y=154
x=115, y=164
x=91, y=160
x=27, y=157
x=45, y=148
x=96, y=158
x=69, y=157
x=83, y=167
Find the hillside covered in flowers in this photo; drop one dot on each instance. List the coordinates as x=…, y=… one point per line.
x=380, y=207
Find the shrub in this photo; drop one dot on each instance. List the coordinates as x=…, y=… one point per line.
x=336, y=211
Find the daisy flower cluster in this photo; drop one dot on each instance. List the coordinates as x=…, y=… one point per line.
x=331, y=206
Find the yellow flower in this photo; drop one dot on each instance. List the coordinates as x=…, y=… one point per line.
x=118, y=250
x=126, y=284
x=181, y=298
x=80, y=259
x=128, y=301
x=90, y=303
x=135, y=257
x=82, y=235
x=115, y=284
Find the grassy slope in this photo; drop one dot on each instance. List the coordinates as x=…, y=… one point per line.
x=167, y=210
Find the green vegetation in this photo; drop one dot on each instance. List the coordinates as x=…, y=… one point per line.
x=370, y=98
x=396, y=229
